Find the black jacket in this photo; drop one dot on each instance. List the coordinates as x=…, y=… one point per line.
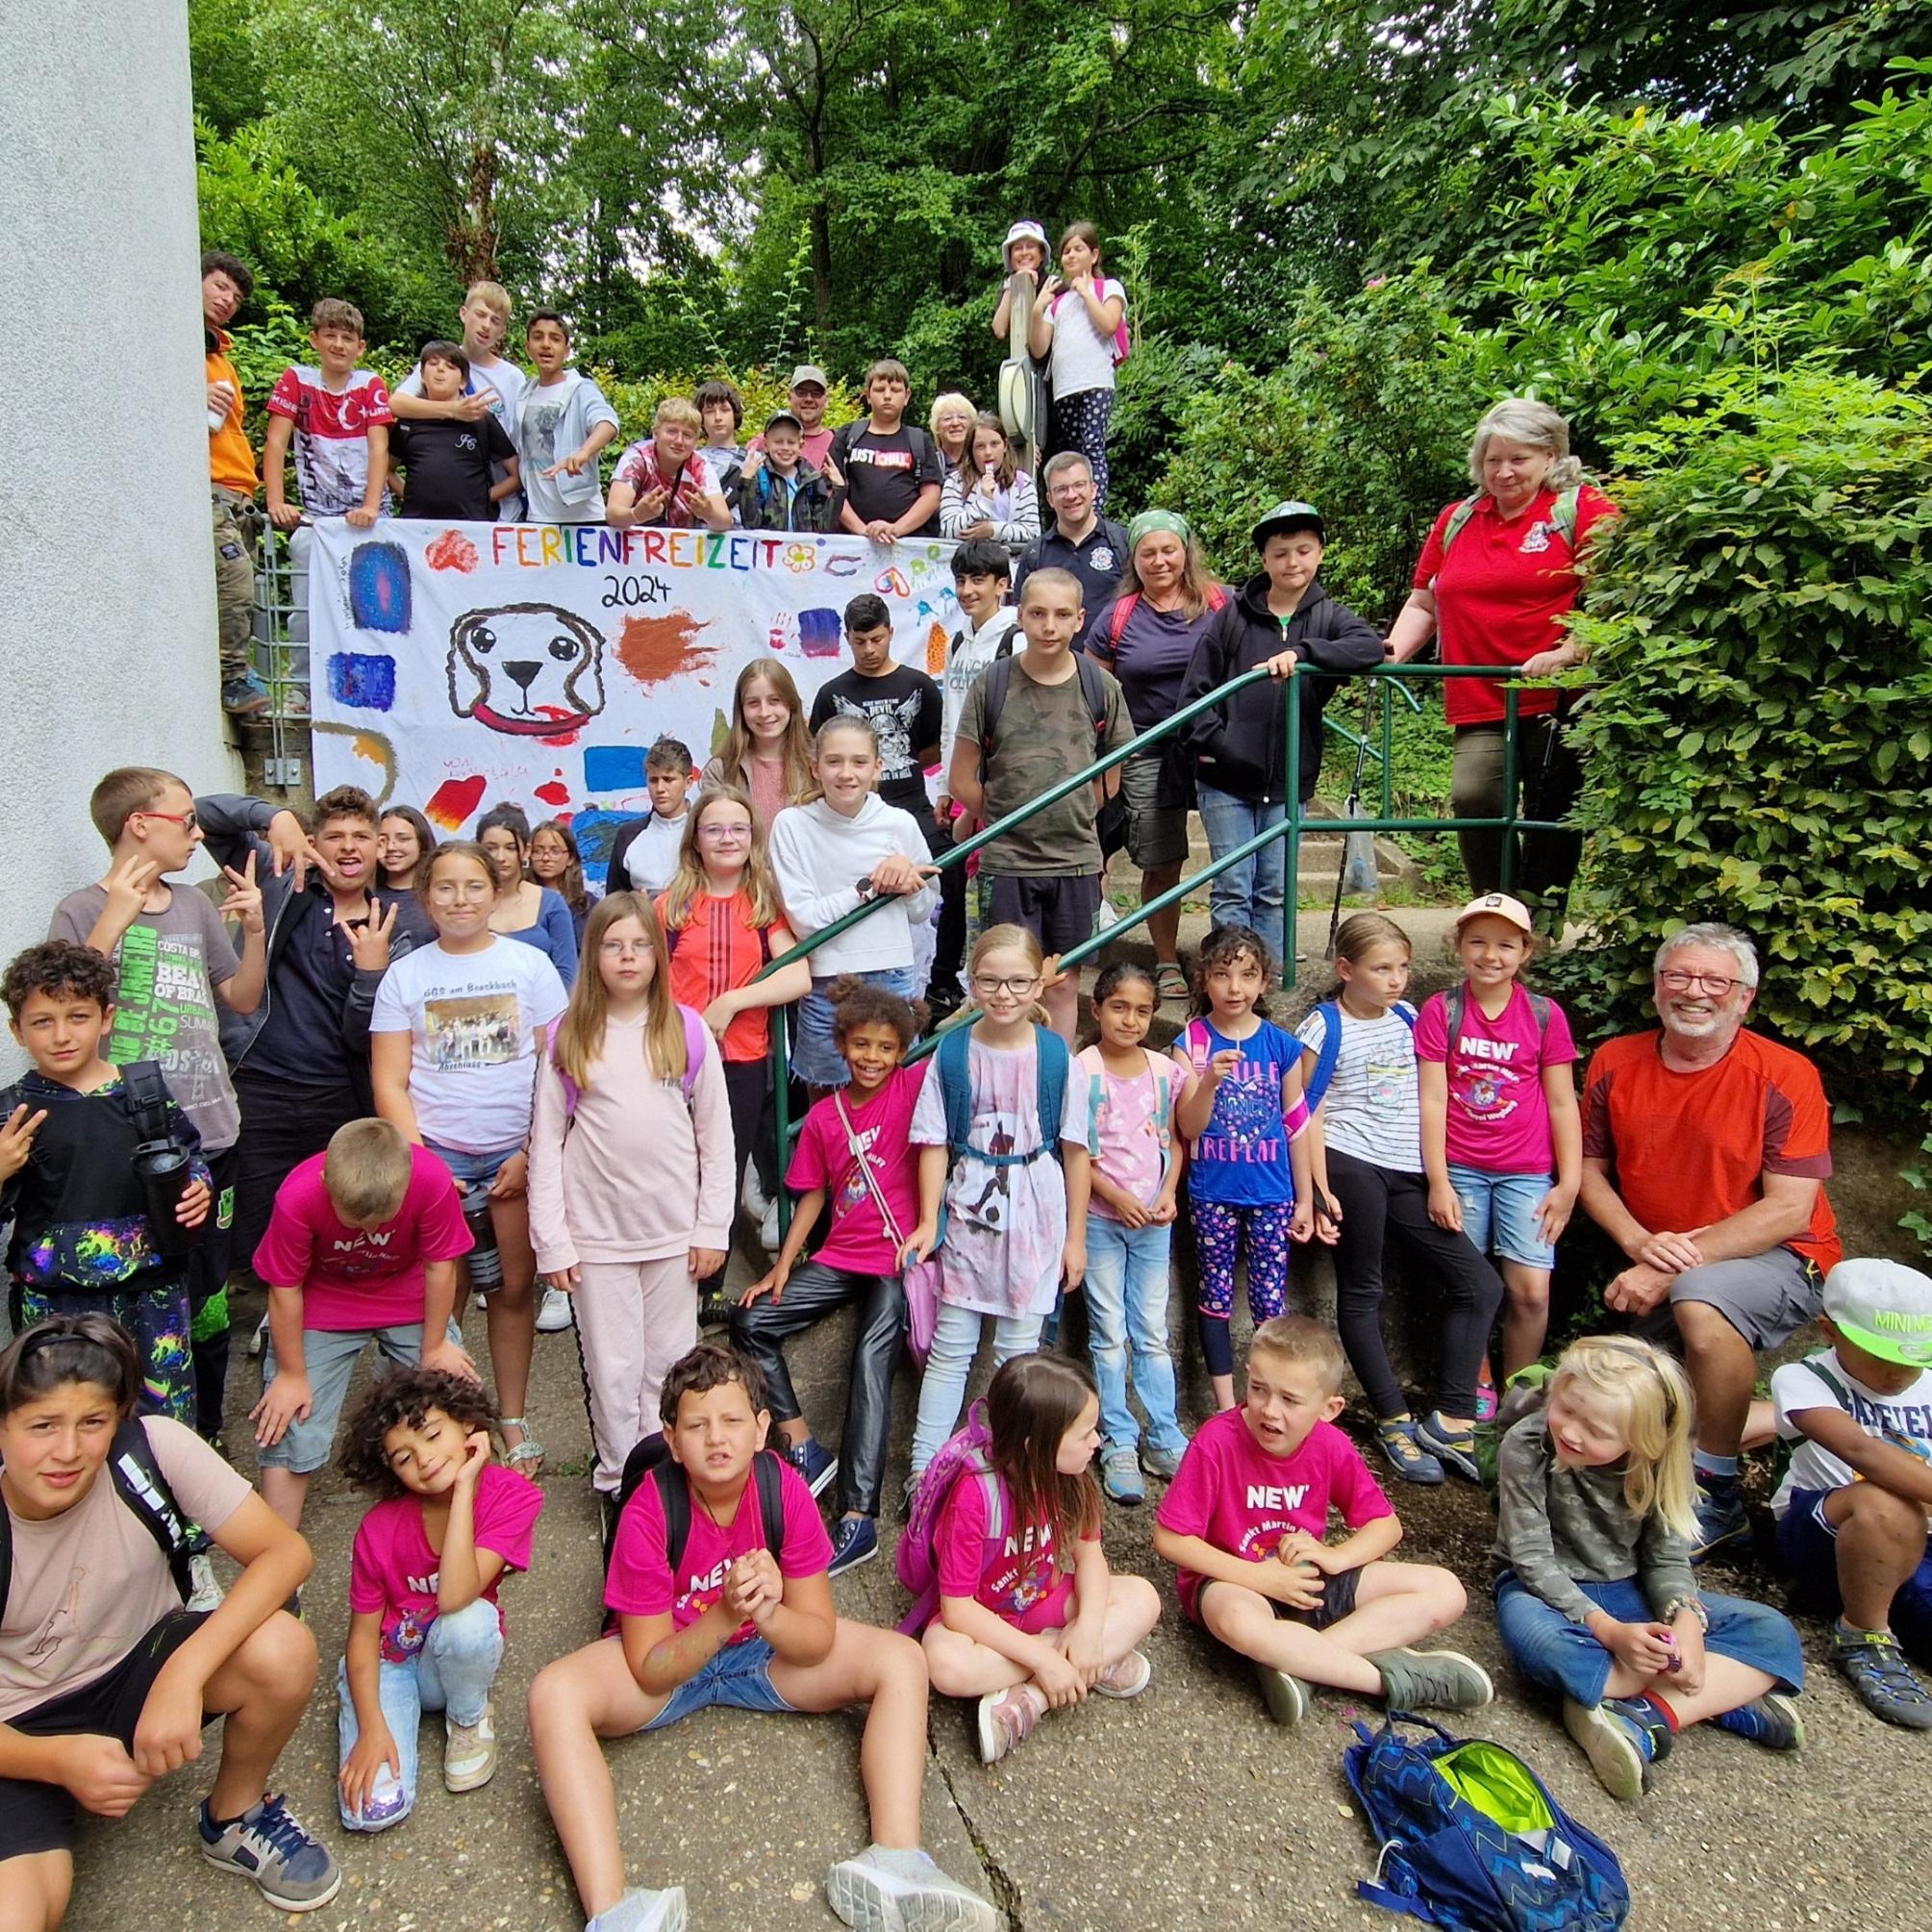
x=1240, y=747
x=762, y=502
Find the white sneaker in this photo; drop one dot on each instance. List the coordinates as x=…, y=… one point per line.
x=555, y=1314
x=470, y=1752
x=1106, y=919
x=753, y=1198
x=207, y=1594
x=259, y=1335
x=768, y=1230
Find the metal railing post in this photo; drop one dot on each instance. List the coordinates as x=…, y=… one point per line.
x=1388, y=745
x=781, y=1107
x=1509, y=810
x=1291, y=896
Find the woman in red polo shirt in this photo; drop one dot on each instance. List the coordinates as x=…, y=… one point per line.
x=1496, y=579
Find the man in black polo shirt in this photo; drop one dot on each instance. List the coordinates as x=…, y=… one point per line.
x=1093, y=548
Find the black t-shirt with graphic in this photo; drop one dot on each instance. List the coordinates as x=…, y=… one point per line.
x=904, y=707
x=885, y=473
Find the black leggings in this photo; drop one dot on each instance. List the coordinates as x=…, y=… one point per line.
x=1377, y=1202
x=745, y=1082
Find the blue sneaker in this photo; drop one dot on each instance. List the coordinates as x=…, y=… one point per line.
x=815, y=1463
x=1163, y=1464
x=1454, y=1452
x=1396, y=1437
x=1771, y=1720
x=1886, y=1685
x=1620, y=1745
x=295, y=1873
x=1120, y=1476
x=855, y=1540
x=244, y=696
x=1721, y=1519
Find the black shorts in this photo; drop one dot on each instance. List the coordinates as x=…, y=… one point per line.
x=1337, y=1600
x=36, y=1817
x=1057, y=909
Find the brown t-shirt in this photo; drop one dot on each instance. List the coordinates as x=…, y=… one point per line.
x=90, y=1582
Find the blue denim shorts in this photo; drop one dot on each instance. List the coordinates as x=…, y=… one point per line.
x=1552, y=1651
x=472, y=1171
x=1499, y=1213
x=329, y=1358
x=739, y=1678
x=815, y=1053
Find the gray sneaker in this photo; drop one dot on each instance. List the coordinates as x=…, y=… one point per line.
x=294, y=1871
x=1120, y=1476
x=1286, y=1696
x=882, y=1890
x=644, y=1912
x=1886, y=1685
x=1166, y=1464
x=1431, y=1680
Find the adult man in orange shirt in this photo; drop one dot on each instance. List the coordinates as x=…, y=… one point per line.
x=1705, y=1151
x=226, y=283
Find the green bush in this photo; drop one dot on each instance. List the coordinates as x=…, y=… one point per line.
x=1759, y=736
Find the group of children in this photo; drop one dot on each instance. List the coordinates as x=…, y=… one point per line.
x=1003, y=1173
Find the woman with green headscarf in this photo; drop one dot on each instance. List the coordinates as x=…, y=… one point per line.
x=1146, y=637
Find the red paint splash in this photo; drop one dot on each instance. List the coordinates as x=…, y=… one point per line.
x=452, y=551
x=554, y=794
x=564, y=739
x=655, y=650
x=455, y=800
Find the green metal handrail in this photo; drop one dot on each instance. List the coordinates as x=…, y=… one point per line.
x=1290, y=828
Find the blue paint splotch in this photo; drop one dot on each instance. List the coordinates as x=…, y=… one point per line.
x=820, y=632
x=613, y=767
x=362, y=680
x=379, y=588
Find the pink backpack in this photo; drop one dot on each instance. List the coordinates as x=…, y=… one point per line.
x=965, y=1455
x=694, y=1032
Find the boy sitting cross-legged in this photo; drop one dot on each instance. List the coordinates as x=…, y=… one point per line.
x=1246, y=1522
x=743, y=1617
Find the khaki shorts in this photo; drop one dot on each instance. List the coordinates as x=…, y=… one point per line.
x=1157, y=835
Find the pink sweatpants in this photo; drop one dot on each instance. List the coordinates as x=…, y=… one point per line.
x=633, y=1320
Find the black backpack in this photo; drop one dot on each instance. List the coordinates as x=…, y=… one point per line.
x=652, y=1457
x=142, y=1489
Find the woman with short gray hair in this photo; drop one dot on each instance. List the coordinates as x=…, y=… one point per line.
x=1499, y=573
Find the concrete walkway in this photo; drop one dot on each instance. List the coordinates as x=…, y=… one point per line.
x=1186, y=1811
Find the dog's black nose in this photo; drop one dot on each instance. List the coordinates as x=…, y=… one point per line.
x=522, y=671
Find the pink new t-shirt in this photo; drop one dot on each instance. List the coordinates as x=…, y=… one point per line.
x=1498, y=1120
x=883, y=1128
x=393, y=1571
x=1233, y=1494
x=1024, y=1582
x=640, y=1583
x=361, y=1277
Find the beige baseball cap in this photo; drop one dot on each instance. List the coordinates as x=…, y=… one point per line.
x=809, y=372
x=1503, y=905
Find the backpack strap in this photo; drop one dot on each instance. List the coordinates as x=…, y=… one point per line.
x=1840, y=1393
x=140, y=1484
x=694, y=1032
x=1457, y=999
x=956, y=1090
x=147, y=1093
x=1116, y=625
x=1562, y=513
x=1458, y=518
x=1051, y=1063
x=768, y=1472
x=998, y=676
x=993, y=1494
x=1538, y=1011
x=674, y=1498
x=1325, y=1055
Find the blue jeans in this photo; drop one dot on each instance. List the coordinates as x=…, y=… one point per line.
x=1127, y=1279
x=955, y=1343
x=453, y=1672
x=1499, y=1213
x=1250, y=893
x=1552, y=1651
x=815, y=1058
x=329, y=1358
x=738, y=1678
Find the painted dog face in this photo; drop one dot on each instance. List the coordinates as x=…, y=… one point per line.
x=530, y=670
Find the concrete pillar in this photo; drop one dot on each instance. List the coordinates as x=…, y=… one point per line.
x=106, y=578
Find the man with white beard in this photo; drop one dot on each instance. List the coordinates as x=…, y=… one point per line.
x=1705, y=1151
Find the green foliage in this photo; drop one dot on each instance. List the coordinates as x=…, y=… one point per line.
x=1760, y=730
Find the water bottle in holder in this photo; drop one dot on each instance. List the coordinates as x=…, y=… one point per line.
x=485, y=1264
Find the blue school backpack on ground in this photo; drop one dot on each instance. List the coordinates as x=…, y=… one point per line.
x=1471, y=1840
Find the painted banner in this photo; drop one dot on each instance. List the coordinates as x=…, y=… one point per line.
x=458, y=666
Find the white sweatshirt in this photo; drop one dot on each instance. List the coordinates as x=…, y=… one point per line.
x=819, y=858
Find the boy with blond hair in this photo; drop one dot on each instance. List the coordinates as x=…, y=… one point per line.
x=1246, y=1523
x=663, y=481
x=492, y=387
x=890, y=469
x=362, y=1247
x=173, y=960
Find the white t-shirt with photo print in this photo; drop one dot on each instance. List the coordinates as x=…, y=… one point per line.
x=1904, y=1421
x=471, y=1019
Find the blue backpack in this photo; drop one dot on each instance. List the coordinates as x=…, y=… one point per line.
x=1471, y=1840
x=1052, y=1061
x=1330, y=1049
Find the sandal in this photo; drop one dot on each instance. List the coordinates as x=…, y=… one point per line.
x=1170, y=981
x=517, y=1455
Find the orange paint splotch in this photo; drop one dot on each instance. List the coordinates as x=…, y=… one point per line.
x=656, y=649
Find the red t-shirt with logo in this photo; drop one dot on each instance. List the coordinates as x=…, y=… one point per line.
x=1501, y=593
x=1687, y=1149
x=717, y=950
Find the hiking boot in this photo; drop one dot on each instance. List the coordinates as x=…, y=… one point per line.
x=644, y=1912
x=1006, y=1720
x=1621, y=1749
x=1886, y=1685
x=245, y=696
x=713, y=1311
x=1456, y=1452
x=855, y=1540
x=206, y=1593
x=882, y=1890
x=1396, y=1437
x=1286, y=1696
x=468, y=1752
x=294, y=1871
x=815, y=1463
x=1721, y=1519
x=555, y=1314
x=1163, y=1464
x=1121, y=1477
x=1771, y=1720
x=1431, y=1680
x=1128, y=1678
